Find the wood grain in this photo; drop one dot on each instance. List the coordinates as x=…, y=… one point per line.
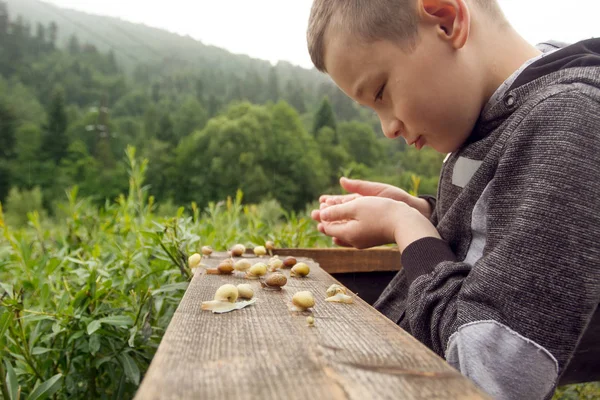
x=342, y=260
x=267, y=352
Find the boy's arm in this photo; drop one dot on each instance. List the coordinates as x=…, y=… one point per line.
x=512, y=321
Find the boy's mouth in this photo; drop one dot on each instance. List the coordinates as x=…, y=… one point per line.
x=419, y=142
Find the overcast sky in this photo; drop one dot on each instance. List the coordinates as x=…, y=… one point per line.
x=275, y=29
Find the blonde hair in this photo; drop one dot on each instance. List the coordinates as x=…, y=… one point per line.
x=368, y=20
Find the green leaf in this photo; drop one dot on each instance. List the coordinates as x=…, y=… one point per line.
x=117, y=320
x=12, y=382
x=75, y=336
x=131, y=341
x=46, y=389
x=171, y=288
x=40, y=350
x=74, y=260
x=130, y=367
x=94, y=344
x=5, y=320
x=8, y=288
x=93, y=326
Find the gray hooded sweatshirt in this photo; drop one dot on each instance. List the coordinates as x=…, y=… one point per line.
x=510, y=295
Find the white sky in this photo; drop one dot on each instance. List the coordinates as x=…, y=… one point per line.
x=276, y=29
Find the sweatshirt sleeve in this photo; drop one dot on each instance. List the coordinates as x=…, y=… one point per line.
x=432, y=203
x=512, y=320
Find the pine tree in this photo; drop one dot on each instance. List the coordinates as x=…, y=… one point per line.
x=324, y=117
x=52, y=34
x=166, y=133
x=40, y=38
x=113, y=67
x=8, y=126
x=56, y=141
x=199, y=90
x=4, y=19
x=295, y=96
x=273, y=86
x=74, y=47
x=214, y=106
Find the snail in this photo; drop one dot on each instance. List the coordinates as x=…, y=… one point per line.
x=301, y=301
x=300, y=269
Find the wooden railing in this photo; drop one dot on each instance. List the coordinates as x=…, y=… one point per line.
x=266, y=351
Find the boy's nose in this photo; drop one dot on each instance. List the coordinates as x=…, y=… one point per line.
x=392, y=128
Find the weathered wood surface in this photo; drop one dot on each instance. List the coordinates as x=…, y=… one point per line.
x=342, y=260
x=267, y=352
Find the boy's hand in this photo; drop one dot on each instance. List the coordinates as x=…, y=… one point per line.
x=372, y=221
x=359, y=188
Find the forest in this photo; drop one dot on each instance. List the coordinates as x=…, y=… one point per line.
x=279, y=133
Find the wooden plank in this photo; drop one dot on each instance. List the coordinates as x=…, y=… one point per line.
x=342, y=260
x=267, y=352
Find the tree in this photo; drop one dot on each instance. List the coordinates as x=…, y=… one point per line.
x=199, y=88
x=361, y=143
x=56, y=142
x=263, y=151
x=190, y=116
x=214, y=105
x=52, y=34
x=74, y=47
x=40, y=37
x=156, y=92
x=4, y=20
x=112, y=62
x=28, y=168
x=295, y=96
x=165, y=131
x=334, y=154
x=273, y=85
x=135, y=103
x=324, y=118
x=8, y=126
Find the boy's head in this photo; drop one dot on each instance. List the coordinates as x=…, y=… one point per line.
x=417, y=63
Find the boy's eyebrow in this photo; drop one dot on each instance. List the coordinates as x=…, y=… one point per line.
x=360, y=86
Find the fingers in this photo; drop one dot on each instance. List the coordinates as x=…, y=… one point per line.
x=339, y=230
x=361, y=187
x=333, y=200
x=341, y=243
x=337, y=199
x=321, y=227
x=315, y=214
x=336, y=241
x=338, y=212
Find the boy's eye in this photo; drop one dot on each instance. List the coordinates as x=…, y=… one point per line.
x=379, y=95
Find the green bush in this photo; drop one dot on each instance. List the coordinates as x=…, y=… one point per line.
x=85, y=302
x=21, y=202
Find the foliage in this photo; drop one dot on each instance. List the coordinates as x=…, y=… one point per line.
x=67, y=115
x=22, y=202
x=325, y=118
x=586, y=391
x=261, y=149
x=86, y=301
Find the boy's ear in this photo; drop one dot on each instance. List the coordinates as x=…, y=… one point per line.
x=451, y=17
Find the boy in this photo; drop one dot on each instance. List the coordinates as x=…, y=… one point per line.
x=501, y=275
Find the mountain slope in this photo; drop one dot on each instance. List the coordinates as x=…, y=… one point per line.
x=137, y=43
